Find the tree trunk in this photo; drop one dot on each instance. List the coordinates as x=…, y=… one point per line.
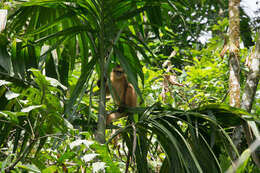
x=234, y=59
x=101, y=126
x=252, y=78
x=234, y=78
x=249, y=95
x=234, y=66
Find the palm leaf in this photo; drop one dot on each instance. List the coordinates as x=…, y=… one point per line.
x=128, y=70
x=190, y=149
x=78, y=88
x=5, y=61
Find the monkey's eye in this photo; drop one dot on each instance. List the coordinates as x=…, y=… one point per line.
x=118, y=72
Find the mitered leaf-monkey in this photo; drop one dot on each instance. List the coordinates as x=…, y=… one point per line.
x=123, y=92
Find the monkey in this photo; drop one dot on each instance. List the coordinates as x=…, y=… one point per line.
x=123, y=92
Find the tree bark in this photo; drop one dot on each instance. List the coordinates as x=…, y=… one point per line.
x=249, y=95
x=101, y=126
x=252, y=78
x=234, y=59
x=234, y=78
x=234, y=67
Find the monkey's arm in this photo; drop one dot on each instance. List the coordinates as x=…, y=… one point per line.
x=130, y=96
x=130, y=101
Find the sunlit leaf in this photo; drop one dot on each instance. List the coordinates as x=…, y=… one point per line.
x=55, y=83
x=51, y=169
x=30, y=108
x=13, y=116
x=11, y=95
x=98, y=166
x=30, y=168
x=3, y=82
x=79, y=142
x=89, y=157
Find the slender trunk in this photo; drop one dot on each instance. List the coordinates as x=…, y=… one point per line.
x=234, y=84
x=234, y=59
x=249, y=95
x=234, y=66
x=252, y=78
x=101, y=127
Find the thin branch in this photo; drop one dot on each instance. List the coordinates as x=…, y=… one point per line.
x=134, y=141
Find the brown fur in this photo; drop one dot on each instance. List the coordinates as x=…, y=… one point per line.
x=123, y=92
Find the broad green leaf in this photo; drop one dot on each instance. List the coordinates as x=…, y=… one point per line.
x=51, y=169
x=65, y=32
x=9, y=113
x=40, y=79
x=80, y=142
x=13, y=116
x=3, y=82
x=11, y=95
x=154, y=15
x=99, y=166
x=49, y=49
x=223, y=112
x=55, y=83
x=89, y=157
x=66, y=156
x=18, y=58
x=30, y=108
x=50, y=25
x=5, y=61
x=30, y=168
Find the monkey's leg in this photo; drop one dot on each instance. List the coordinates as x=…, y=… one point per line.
x=114, y=116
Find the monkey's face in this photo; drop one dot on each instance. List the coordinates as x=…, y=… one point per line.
x=118, y=72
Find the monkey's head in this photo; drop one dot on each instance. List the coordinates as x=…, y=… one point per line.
x=118, y=72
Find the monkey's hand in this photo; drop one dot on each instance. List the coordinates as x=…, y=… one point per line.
x=121, y=108
x=113, y=116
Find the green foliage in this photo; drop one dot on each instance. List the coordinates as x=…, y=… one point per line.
x=30, y=116
x=49, y=116
x=185, y=136
x=208, y=77
x=73, y=155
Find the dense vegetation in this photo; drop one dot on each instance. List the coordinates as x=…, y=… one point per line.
x=177, y=55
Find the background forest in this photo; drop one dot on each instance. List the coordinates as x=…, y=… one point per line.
x=193, y=63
